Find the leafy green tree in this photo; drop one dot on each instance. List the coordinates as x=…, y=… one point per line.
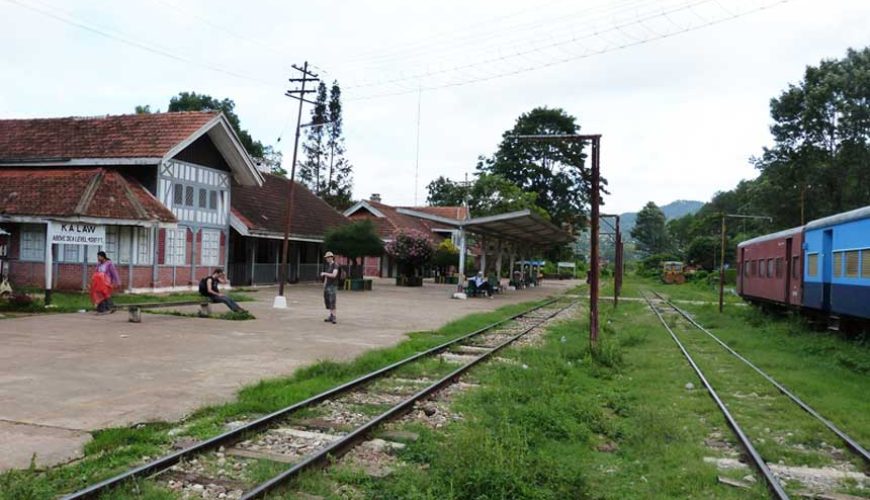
x=493, y=194
x=311, y=169
x=354, y=241
x=554, y=170
x=144, y=110
x=703, y=252
x=650, y=231
x=191, y=101
x=444, y=192
x=820, y=159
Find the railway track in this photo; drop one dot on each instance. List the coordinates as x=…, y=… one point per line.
x=765, y=398
x=262, y=455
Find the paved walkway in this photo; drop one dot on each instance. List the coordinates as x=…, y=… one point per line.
x=62, y=376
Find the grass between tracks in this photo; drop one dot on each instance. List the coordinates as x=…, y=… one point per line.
x=618, y=422
x=114, y=450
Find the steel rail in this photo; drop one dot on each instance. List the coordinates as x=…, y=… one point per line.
x=851, y=443
x=341, y=446
x=167, y=461
x=759, y=462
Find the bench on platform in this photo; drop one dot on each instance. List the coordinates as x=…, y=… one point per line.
x=135, y=310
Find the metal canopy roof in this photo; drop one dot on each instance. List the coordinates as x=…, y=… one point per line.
x=522, y=226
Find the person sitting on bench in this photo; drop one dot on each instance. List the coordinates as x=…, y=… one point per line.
x=208, y=287
x=481, y=285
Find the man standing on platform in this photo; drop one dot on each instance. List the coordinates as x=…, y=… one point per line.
x=330, y=282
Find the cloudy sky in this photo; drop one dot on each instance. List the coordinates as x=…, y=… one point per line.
x=679, y=89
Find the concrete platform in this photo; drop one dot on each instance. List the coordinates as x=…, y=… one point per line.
x=62, y=376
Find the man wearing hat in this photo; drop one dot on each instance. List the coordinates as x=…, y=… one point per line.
x=330, y=280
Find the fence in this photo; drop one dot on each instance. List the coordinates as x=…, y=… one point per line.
x=264, y=274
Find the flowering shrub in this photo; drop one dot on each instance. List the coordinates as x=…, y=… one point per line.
x=410, y=248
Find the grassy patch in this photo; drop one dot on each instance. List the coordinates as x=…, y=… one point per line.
x=115, y=450
x=76, y=301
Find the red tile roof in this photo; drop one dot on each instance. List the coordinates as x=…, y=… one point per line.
x=264, y=208
x=392, y=220
x=121, y=136
x=72, y=192
x=446, y=212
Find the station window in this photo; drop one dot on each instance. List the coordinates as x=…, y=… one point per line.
x=796, y=267
x=778, y=267
x=203, y=200
x=865, y=263
x=178, y=194
x=838, y=264
x=211, y=247
x=188, y=196
x=176, y=246
x=813, y=264
x=852, y=264
x=212, y=200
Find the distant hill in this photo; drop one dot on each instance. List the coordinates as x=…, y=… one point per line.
x=673, y=210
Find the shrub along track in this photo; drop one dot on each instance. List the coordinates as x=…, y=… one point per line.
x=264, y=454
x=780, y=429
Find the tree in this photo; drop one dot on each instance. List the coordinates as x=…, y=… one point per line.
x=444, y=192
x=820, y=159
x=355, y=240
x=339, y=182
x=554, y=170
x=144, y=110
x=493, y=194
x=650, y=231
x=311, y=169
x=191, y=101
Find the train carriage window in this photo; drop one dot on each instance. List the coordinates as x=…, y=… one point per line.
x=778, y=267
x=838, y=264
x=760, y=268
x=852, y=264
x=770, y=268
x=813, y=264
x=746, y=268
x=865, y=263
x=796, y=267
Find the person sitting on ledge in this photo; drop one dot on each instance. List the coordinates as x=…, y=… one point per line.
x=481, y=284
x=208, y=287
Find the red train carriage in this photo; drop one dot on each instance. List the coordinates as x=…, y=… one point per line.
x=769, y=267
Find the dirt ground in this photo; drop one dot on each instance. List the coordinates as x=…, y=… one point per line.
x=64, y=375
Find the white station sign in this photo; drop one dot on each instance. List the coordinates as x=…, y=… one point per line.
x=77, y=234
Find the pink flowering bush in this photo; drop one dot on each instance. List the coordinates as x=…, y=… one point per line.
x=411, y=249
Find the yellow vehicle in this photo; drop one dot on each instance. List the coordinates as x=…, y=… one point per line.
x=673, y=272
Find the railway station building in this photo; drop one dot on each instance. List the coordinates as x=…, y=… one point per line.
x=168, y=196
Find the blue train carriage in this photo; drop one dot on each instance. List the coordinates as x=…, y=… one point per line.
x=837, y=264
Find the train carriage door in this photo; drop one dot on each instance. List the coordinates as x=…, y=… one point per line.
x=741, y=270
x=788, y=271
x=827, y=267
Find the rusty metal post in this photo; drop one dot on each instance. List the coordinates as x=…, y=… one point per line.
x=617, y=264
x=722, y=266
x=593, y=254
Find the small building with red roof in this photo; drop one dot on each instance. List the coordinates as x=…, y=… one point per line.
x=389, y=219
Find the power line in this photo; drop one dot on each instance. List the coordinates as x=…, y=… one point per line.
x=138, y=44
x=559, y=60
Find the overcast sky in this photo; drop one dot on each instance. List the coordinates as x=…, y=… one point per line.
x=679, y=89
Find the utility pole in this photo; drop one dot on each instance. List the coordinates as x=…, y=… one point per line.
x=722, y=252
x=595, y=201
x=298, y=94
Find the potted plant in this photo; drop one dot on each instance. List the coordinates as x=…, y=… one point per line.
x=354, y=241
x=446, y=257
x=411, y=249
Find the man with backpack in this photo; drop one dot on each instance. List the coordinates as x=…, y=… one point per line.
x=330, y=285
x=208, y=287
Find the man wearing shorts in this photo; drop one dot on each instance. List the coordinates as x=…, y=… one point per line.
x=330, y=282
